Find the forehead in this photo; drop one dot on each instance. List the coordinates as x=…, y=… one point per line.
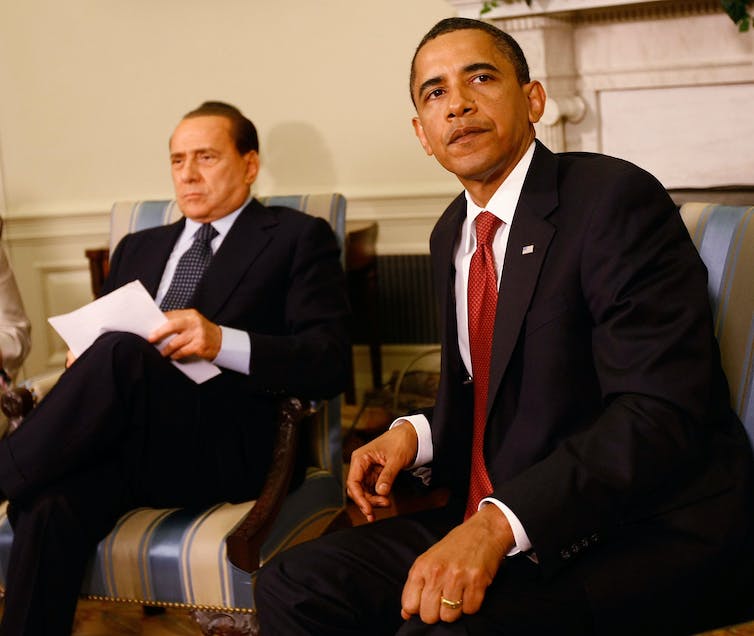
x=456, y=50
x=210, y=131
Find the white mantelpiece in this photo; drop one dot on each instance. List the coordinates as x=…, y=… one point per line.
x=517, y=9
x=667, y=84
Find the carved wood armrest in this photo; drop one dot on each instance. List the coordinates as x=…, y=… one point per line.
x=15, y=403
x=245, y=542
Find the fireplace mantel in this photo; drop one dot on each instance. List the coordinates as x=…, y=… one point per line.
x=471, y=8
x=667, y=84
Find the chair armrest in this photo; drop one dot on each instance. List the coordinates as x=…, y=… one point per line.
x=19, y=400
x=245, y=542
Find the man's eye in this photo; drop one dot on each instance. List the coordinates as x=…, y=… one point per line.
x=206, y=157
x=438, y=92
x=483, y=78
x=176, y=161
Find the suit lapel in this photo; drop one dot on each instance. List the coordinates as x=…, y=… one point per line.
x=248, y=236
x=528, y=241
x=445, y=238
x=161, y=243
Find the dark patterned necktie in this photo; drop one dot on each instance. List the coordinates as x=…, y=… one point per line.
x=190, y=269
x=482, y=299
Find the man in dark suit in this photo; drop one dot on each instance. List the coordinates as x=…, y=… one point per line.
x=600, y=483
x=124, y=427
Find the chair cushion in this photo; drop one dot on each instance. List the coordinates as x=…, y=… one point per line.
x=132, y=216
x=178, y=556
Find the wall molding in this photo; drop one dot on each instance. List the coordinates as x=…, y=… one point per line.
x=405, y=221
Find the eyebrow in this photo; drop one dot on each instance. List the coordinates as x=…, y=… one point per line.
x=470, y=68
x=194, y=151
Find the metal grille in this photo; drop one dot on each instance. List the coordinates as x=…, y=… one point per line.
x=408, y=311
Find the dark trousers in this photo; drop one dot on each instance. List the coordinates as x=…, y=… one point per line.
x=350, y=583
x=121, y=428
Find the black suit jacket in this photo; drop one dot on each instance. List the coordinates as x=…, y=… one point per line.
x=277, y=275
x=609, y=432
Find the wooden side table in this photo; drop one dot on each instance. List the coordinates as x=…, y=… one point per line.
x=361, y=275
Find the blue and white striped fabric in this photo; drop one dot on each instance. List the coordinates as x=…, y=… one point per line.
x=724, y=236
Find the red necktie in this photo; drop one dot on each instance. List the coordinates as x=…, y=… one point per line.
x=482, y=301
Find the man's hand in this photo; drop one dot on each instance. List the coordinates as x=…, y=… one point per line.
x=193, y=335
x=460, y=567
x=375, y=466
x=69, y=358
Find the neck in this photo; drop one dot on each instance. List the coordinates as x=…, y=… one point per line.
x=482, y=188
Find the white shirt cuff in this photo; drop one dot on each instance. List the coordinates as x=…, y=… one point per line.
x=235, y=350
x=424, y=437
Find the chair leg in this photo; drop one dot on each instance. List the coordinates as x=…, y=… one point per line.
x=215, y=623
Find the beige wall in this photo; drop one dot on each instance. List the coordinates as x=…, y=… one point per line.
x=91, y=89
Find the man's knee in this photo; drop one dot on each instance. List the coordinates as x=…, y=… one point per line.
x=120, y=352
x=120, y=343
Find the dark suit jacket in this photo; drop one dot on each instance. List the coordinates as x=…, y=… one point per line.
x=609, y=432
x=277, y=275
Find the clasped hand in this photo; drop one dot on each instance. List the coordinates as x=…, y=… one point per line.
x=375, y=466
x=459, y=567
x=187, y=333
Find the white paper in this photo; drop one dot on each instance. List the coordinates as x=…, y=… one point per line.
x=129, y=308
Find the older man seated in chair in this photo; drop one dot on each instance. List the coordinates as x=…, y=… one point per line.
x=260, y=291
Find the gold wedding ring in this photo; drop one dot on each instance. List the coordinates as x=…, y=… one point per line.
x=454, y=605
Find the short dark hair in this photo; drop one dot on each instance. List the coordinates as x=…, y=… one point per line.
x=504, y=42
x=241, y=129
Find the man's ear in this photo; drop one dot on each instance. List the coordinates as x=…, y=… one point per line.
x=535, y=95
x=419, y=131
x=252, y=166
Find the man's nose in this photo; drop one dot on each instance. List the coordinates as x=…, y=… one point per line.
x=188, y=171
x=461, y=102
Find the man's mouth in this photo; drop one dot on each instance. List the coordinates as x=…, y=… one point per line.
x=464, y=133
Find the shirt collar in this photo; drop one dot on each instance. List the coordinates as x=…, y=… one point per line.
x=503, y=203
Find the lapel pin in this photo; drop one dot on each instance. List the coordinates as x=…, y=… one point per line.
x=528, y=249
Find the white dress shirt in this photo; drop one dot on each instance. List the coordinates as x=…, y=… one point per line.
x=503, y=205
x=235, y=349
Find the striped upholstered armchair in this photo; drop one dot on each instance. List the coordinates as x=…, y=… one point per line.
x=724, y=236
x=205, y=560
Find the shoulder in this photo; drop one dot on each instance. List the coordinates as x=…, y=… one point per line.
x=603, y=172
x=285, y=219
